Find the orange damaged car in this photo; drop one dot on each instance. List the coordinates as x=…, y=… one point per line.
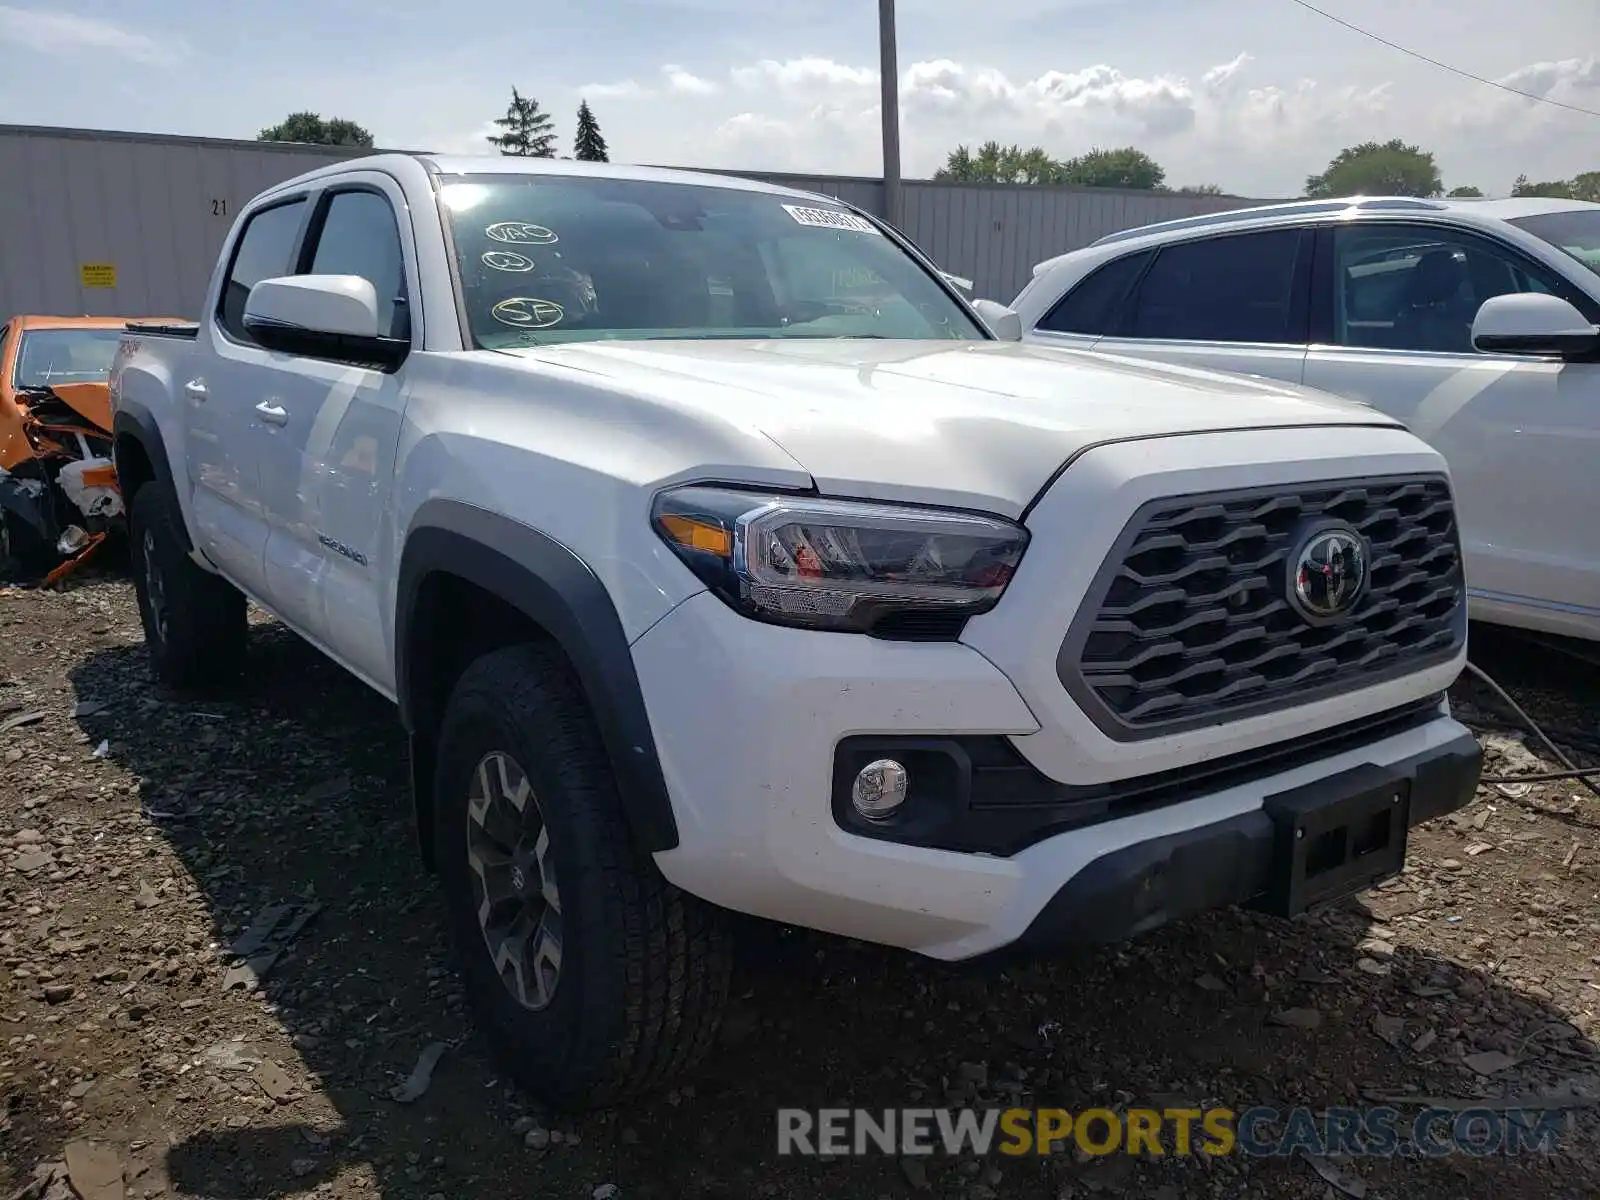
x=58, y=489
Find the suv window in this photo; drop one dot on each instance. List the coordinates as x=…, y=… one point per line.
x=1096, y=303
x=265, y=250
x=1224, y=289
x=1418, y=287
x=360, y=237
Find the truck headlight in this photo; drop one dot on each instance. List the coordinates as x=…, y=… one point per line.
x=841, y=564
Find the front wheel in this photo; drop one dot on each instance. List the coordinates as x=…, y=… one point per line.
x=594, y=978
x=195, y=623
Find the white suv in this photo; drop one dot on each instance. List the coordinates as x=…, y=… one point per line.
x=1472, y=321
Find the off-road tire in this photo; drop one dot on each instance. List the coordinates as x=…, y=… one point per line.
x=201, y=642
x=644, y=966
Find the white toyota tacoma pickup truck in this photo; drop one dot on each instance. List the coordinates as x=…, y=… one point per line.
x=719, y=556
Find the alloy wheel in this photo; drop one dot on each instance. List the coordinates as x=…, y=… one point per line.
x=154, y=590
x=513, y=880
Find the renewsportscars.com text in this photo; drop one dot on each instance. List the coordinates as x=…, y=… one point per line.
x=1378, y=1132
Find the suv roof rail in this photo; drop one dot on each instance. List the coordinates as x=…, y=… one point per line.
x=1291, y=208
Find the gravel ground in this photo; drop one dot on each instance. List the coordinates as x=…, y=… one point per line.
x=140, y=835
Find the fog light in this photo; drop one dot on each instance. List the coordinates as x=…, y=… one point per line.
x=880, y=789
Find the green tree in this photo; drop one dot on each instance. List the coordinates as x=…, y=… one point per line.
x=309, y=127
x=1201, y=189
x=525, y=130
x=1126, y=167
x=1580, y=187
x=589, y=145
x=1559, y=189
x=1467, y=192
x=1389, y=168
x=994, y=163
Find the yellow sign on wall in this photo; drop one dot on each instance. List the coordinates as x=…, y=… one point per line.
x=98, y=275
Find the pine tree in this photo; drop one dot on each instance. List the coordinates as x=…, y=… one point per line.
x=590, y=144
x=527, y=132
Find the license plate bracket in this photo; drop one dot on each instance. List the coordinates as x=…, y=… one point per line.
x=1335, y=837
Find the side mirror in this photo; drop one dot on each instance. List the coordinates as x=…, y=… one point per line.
x=1533, y=323
x=1003, y=322
x=321, y=316
x=955, y=281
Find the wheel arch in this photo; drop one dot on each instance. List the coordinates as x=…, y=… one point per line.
x=471, y=580
x=139, y=456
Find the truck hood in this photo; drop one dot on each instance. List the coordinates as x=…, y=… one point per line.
x=91, y=401
x=975, y=424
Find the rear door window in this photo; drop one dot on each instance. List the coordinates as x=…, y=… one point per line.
x=1242, y=288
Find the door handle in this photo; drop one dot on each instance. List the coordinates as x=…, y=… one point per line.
x=195, y=390
x=273, y=414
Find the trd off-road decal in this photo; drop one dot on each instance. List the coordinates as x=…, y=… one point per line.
x=830, y=218
x=506, y=260
x=528, y=312
x=520, y=233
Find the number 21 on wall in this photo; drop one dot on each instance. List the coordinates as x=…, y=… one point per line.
x=219, y=208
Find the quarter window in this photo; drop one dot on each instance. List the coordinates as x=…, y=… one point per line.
x=360, y=237
x=1419, y=287
x=265, y=251
x=1094, y=306
x=1223, y=289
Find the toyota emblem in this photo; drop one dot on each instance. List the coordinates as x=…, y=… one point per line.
x=1330, y=574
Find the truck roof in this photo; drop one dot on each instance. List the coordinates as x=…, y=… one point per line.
x=486, y=164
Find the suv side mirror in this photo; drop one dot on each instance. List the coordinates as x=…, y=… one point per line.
x=321, y=316
x=1003, y=322
x=1533, y=323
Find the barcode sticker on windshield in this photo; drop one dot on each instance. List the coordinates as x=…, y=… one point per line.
x=830, y=218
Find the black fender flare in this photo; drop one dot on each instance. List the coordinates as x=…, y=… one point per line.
x=556, y=590
x=135, y=424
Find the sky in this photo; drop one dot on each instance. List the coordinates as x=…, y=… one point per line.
x=1250, y=95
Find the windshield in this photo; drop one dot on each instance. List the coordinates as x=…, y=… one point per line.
x=552, y=259
x=1576, y=233
x=47, y=356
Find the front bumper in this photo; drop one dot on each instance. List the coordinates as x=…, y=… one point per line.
x=748, y=719
x=1240, y=860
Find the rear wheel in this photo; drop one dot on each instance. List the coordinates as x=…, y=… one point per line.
x=194, y=621
x=594, y=978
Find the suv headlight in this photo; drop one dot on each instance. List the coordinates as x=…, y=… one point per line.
x=841, y=564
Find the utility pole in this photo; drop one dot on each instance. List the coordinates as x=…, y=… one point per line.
x=889, y=76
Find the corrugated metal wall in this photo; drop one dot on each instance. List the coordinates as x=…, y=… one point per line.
x=993, y=235
x=155, y=210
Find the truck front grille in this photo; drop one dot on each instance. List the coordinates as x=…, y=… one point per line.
x=1191, y=619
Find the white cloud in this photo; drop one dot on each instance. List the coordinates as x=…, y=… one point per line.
x=613, y=91
x=803, y=75
x=1255, y=125
x=1572, y=80
x=685, y=83
x=1230, y=126
x=63, y=33
x=1220, y=78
